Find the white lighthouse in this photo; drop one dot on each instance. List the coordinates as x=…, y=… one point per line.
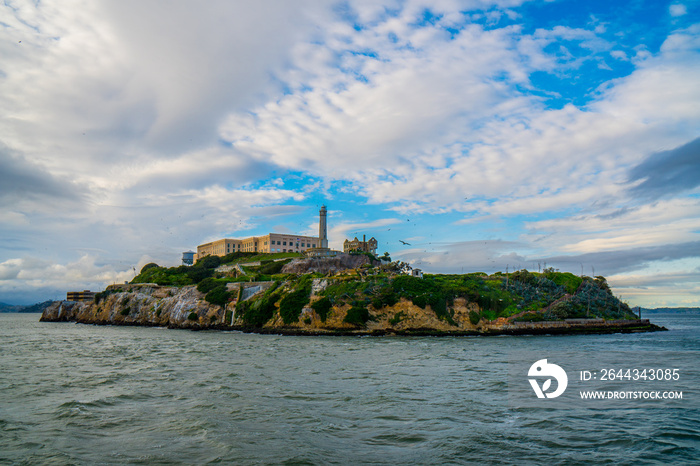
x=322, y=250
x=323, y=228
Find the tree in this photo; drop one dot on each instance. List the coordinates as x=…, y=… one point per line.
x=149, y=266
x=396, y=267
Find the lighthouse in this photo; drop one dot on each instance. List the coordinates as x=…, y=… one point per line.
x=322, y=228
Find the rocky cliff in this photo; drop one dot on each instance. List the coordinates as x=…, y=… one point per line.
x=307, y=306
x=182, y=307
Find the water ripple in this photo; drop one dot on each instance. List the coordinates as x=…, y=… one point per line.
x=78, y=394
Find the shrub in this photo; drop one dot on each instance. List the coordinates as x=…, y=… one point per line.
x=474, y=317
x=420, y=301
x=398, y=317
x=322, y=307
x=125, y=311
x=561, y=310
x=258, y=312
x=219, y=296
x=357, y=315
x=206, y=285
x=385, y=297
x=197, y=274
x=568, y=280
x=193, y=316
x=534, y=317
x=208, y=262
x=292, y=304
x=307, y=321
x=150, y=265
x=523, y=276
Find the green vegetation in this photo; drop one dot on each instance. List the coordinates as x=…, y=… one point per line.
x=219, y=295
x=322, y=307
x=292, y=303
x=206, y=285
x=193, y=316
x=569, y=281
x=398, y=317
x=270, y=264
x=474, y=317
x=257, y=311
x=357, y=315
x=498, y=295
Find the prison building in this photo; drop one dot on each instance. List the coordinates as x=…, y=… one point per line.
x=270, y=243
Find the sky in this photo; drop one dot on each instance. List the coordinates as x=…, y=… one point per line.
x=489, y=135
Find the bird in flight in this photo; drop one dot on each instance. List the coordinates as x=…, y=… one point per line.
x=404, y=242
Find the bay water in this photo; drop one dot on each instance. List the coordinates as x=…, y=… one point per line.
x=82, y=394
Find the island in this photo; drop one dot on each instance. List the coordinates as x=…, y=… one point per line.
x=353, y=294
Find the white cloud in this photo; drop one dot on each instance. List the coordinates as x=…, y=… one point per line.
x=96, y=79
x=665, y=222
x=391, y=104
x=677, y=9
x=43, y=279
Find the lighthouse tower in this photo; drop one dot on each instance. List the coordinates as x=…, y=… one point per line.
x=322, y=228
x=322, y=250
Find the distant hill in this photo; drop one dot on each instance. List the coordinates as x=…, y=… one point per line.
x=34, y=308
x=4, y=307
x=672, y=310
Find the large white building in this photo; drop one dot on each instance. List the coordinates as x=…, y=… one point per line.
x=270, y=243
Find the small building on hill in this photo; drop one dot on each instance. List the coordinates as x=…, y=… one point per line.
x=80, y=296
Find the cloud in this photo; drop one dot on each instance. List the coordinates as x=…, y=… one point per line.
x=677, y=9
x=626, y=260
x=372, y=102
x=22, y=182
x=28, y=278
x=667, y=173
x=428, y=119
x=110, y=82
x=463, y=257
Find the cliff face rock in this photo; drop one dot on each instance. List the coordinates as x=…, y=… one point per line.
x=153, y=306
